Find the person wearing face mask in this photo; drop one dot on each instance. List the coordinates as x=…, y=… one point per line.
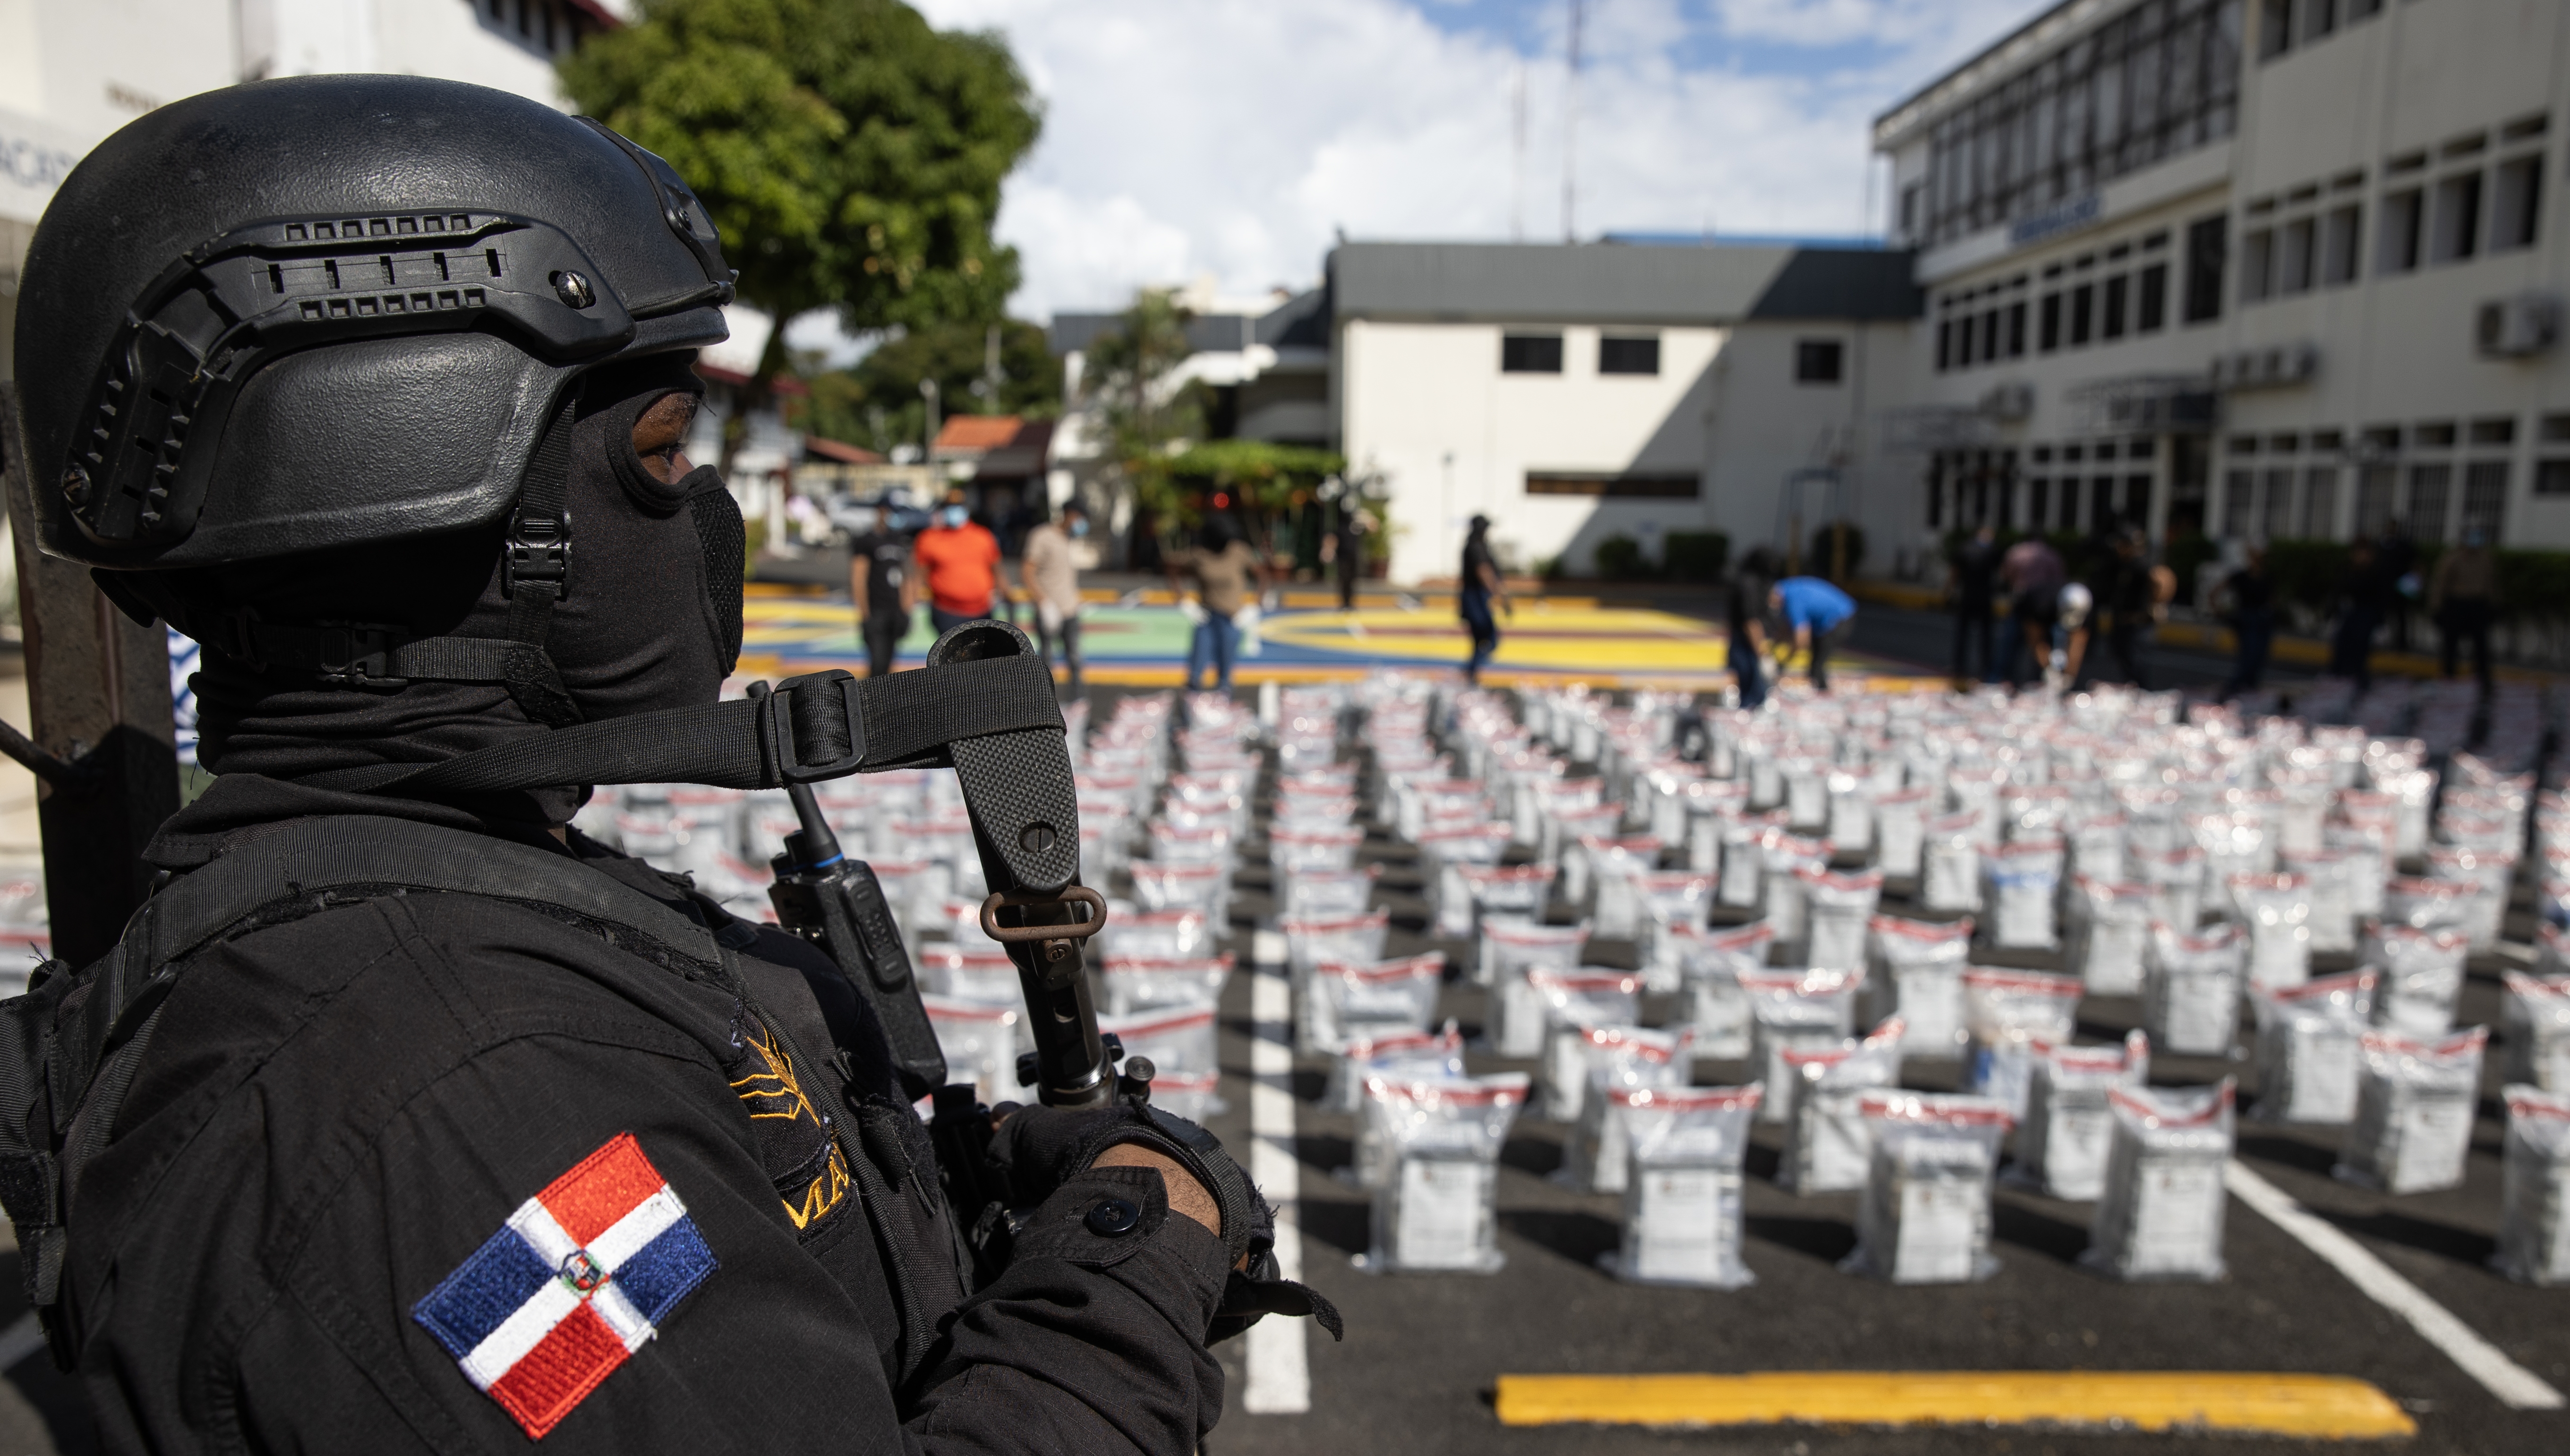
x=2463, y=597
x=405, y=1117
x=958, y=562
x=883, y=586
x=1051, y=580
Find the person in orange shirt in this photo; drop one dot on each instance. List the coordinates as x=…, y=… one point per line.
x=960, y=561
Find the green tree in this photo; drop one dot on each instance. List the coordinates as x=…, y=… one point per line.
x=876, y=402
x=851, y=154
x=1144, y=417
x=1269, y=480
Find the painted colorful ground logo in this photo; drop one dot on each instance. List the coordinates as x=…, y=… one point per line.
x=1144, y=644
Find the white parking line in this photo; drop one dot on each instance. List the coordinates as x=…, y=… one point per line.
x=2511, y=1382
x=1280, y=1373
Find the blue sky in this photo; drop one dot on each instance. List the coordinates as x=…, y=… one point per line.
x=1230, y=141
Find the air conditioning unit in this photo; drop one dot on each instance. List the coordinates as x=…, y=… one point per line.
x=2008, y=403
x=2518, y=327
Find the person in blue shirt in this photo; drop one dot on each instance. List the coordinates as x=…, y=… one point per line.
x=1816, y=611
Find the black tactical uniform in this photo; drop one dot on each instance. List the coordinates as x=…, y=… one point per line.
x=340, y=1110
x=435, y=1128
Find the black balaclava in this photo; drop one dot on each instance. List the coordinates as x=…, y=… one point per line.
x=651, y=618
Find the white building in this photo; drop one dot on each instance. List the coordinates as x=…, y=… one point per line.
x=1574, y=393
x=2284, y=269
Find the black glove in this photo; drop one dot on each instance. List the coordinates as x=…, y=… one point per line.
x=1038, y=1148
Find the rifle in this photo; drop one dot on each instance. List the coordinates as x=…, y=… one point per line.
x=1017, y=789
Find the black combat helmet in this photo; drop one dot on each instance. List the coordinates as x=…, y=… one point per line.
x=334, y=311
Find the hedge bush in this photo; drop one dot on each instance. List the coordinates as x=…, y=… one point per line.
x=1619, y=558
x=1694, y=556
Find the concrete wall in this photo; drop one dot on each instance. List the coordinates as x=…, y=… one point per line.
x=1767, y=425
x=1426, y=409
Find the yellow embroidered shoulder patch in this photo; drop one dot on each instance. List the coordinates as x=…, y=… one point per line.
x=791, y=1133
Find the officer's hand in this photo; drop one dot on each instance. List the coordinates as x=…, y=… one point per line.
x=1186, y=1196
x=1037, y=1149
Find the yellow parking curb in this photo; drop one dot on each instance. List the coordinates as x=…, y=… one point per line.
x=2275, y=1404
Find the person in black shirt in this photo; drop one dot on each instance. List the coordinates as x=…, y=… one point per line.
x=2124, y=596
x=2252, y=624
x=1344, y=549
x=1976, y=588
x=1745, y=609
x=879, y=582
x=1477, y=586
x=2370, y=592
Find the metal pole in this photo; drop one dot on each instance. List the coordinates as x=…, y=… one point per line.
x=98, y=693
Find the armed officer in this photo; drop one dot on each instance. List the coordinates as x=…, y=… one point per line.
x=405, y=1118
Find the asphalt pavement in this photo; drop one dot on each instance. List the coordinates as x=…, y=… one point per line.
x=1417, y=1370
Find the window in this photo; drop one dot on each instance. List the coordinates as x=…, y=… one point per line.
x=1638, y=487
x=2083, y=311
x=1629, y=355
x=2458, y=218
x=2556, y=429
x=2320, y=503
x=2429, y=488
x=2151, y=308
x=1968, y=335
x=2101, y=502
x=1989, y=336
x=2517, y=211
x=2048, y=332
x=1818, y=361
x=2038, y=497
x=2275, y=28
x=2318, y=17
x=1531, y=354
x=2338, y=245
x=2112, y=326
x=2552, y=477
x=2154, y=81
x=2485, y=497
x=2070, y=505
x=2203, y=260
x=2396, y=248
x=2362, y=10
x=2016, y=329
x=2280, y=505
x=2501, y=430
x=1944, y=345
x=2239, y=495
x=2374, y=488
x=2296, y=243
x=2256, y=265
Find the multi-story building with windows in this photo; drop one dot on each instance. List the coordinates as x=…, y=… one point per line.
x=2288, y=268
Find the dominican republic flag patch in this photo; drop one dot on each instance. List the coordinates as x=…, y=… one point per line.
x=577, y=1280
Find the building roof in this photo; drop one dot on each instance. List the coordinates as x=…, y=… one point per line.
x=997, y=446
x=839, y=451
x=976, y=432
x=1605, y=284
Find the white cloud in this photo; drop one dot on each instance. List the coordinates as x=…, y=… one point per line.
x=1235, y=136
